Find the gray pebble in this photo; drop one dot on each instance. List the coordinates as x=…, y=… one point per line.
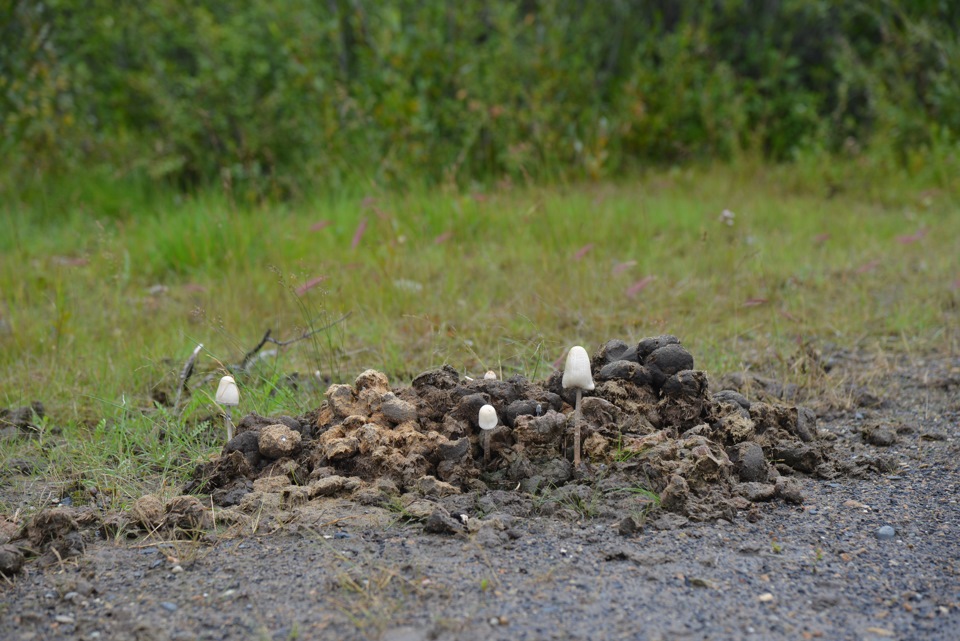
x=886, y=533
x=169, y=607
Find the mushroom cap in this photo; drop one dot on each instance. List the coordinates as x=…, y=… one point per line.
x=487, y=417
x=576, y=372
x=490, y=375
x=227, y=392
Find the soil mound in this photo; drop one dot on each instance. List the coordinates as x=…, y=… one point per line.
x=654, y=433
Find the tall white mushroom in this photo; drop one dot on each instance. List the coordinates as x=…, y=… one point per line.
x=228, y=395
x=487, y=420
x=576, y=375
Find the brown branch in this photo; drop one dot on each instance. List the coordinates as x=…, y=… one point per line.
x=186, y=373
x=253, y=352
x=267, y=338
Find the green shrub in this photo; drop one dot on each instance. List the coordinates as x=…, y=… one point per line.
x=266, y=98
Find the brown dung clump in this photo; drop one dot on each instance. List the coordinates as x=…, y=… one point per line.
x=653, y=422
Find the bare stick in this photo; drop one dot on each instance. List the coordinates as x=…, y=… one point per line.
x=253, y=352
x=267, y=338
x=185, y=374
x=311, y=332
x=576, y=432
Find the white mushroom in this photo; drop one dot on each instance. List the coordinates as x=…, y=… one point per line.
x=490, y=375
x=576, y=375
x=487, y=419
x=228, y=395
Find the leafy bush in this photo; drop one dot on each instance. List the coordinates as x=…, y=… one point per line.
x=266, y=97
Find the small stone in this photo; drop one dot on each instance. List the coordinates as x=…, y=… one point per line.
x=667, y=361
x=790, y=490
x=650, y=344
x=455, y=450
x=65, y=619
x=11, y=560
x=879, y=435
x=177, y=569
x=169, y=607
x=341, y=448
x=279, y=441
x=689, y=384
x=397, y=410
x=326, y=486
x=731, y=396
x=148, y=511
x=627, y=526
x=756, y=492
x=430, y=486
x=439, y=522
x=372, y=379
x=609, y=352
x=886, y=533
x=186, y=513
x=750, y=463
x=521, y=407
x=342, y=400
x=627, y=371
x=805, y=425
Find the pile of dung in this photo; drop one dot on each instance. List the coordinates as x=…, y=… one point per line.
x=652, y=425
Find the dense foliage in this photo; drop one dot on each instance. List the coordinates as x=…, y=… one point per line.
x=265, y=96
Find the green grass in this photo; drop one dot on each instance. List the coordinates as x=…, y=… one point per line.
x=99, y=308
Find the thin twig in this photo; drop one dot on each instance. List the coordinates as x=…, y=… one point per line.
x=253, y=352
x=267, y=338
x=185, y=374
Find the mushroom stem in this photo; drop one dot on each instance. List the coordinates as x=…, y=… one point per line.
x=576, y=431
x=486, y=447
x=226, y=410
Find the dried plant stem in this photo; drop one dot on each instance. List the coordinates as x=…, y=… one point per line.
x=249, y=356
x=185, y=374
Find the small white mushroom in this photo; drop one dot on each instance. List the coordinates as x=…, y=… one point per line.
x=487, y=420
x=490, y=375
x=577, y=375
x=228, y=395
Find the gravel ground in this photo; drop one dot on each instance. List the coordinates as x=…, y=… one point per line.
x=341, y=571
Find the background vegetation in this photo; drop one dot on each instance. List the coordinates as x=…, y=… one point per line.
x=481, y=183
x=270, y=99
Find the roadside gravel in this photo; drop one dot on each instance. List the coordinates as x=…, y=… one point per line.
x=819, y=570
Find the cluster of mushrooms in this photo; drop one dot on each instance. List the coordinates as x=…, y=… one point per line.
x=576, y=375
